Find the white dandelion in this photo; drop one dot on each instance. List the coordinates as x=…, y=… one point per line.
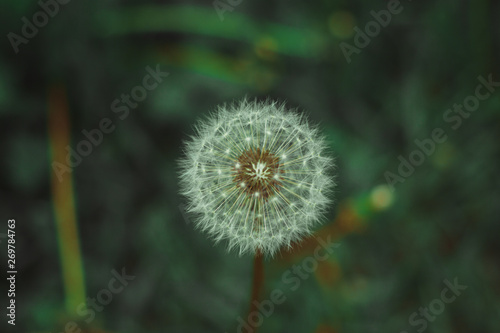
x=256, y=175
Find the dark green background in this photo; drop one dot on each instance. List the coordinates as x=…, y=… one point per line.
x=442, y=222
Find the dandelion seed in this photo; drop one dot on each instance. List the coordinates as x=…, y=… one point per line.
x=271, y=190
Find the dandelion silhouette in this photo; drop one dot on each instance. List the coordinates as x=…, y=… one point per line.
x=256, y=175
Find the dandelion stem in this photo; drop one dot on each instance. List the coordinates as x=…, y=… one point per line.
x=258, y=283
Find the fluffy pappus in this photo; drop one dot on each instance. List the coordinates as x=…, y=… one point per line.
x=256, y=175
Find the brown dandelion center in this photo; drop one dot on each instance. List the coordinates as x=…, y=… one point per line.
x=257, y=173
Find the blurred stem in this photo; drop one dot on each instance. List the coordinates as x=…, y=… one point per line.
x=63, y=200
x=258, y=283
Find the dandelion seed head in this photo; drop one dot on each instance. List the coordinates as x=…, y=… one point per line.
x=256, y=175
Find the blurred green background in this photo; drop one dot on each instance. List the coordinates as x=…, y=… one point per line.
x=120, y=208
